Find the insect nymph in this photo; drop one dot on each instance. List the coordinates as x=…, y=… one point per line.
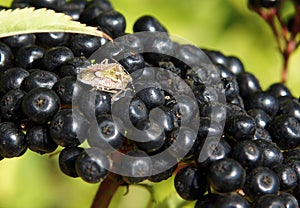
x=108, y=77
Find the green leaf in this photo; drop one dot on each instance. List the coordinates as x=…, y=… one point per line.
x=165, y=202
x=174, y=201
x=6, y=3
x=31, y=20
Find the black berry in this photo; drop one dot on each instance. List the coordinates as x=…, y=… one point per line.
x=40, y=104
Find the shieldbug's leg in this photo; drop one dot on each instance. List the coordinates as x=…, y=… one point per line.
x=100, y=88
x=104, y=62
x=115, y=96
x=120, y=94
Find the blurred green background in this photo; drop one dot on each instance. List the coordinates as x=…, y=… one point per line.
x=35, y=181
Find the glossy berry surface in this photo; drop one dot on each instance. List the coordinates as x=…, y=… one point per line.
x=261, y=181
x=39, y=78
x=92, y=165
x=271, y=154
x=240, y=127
x=287, y=176
x=235, y=65
x=105, y=135
x=231, y=200
x=295, y=164
x=291, y=107
x=56, y=56
x=183, y=110
x=10, y=105
x=90, y=12
x=137, y=168
x=163, y=168
x=165, y=118
x=268, y=201
x=112, y=22
x=264, y=101
x=160, y=47
x=217, y=57
x=279, y=90
x=39, y=140
x=148, y=23
x=288, y=200
x=138, y=111
x=13, y=78
x=154, y=137
x=224, y=71
x=12, y=140
x=84, y=45
x=262, y=134
x=67, y=160
x=7, y=57
x=52, y=4
x=53, y=39
x=226, y=175
x=208, y=200
x=208, y=128
x=181, y=140
x=17, y=41
x=40, y=104
x=133, y=62
x=29, y=56
x=248, y=84
x=72, y=9
x=211, y=150
x=65, y=88
x=262, y=119
x=73, y=66
x=66, y=129
x=152, y=97
x=247, y=153
x=231, y=88
x=285, y=131
x=104, y=4
x=190, y=183
x=99, y=104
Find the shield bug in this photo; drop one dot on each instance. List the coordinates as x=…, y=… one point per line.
x=108, y=77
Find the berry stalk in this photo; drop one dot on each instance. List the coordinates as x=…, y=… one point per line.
x=105, y=192
x=285, y=37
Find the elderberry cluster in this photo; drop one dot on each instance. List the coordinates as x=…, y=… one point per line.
x=244, y=152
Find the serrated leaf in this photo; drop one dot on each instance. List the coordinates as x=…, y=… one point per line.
x=31, y=20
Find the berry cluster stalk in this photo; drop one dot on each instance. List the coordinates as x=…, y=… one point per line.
x=105, y=193
x=286, y=38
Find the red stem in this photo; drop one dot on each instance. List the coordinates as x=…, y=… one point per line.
x=268, y=16
x=285, y=69
x=105, y=193
x=286, y=44
x=296, y=22
x=291, y=44
x=284, y=29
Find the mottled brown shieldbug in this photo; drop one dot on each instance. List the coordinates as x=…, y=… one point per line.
x=108, y=77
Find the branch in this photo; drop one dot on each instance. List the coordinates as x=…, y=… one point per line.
x=105, y=192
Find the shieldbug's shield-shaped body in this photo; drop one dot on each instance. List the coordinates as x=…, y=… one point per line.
x=108, y=77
